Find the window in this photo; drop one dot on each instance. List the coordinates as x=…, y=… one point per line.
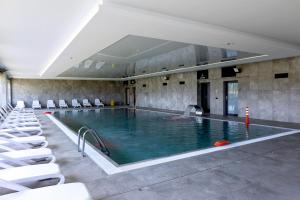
x=228, y=72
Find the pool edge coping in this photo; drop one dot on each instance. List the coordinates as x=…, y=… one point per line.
x=110, y=168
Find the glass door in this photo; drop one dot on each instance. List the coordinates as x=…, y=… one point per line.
x=231, y=98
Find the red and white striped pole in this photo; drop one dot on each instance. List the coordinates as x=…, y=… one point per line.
x=247, y=117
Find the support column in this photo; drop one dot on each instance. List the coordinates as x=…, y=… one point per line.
x=4, y=82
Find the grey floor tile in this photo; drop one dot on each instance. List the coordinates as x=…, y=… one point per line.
x=136, y=195
x=260, y=171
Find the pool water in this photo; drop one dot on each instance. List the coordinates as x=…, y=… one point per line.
x=137, y=135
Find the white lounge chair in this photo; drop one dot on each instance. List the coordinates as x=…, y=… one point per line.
x=20, y=113
x=86, y=103
x=32, y=173
x=50, y=104
x=98, y=103
x=36, y=104
x=22, y=142
x=18, y=122
x=20, y=105
x=27, y=131
x=73, y=191
x=14, y=113
x=62, y=104
x=75, y=103
x=25, y=157
x=10, y=106
x=19, y=110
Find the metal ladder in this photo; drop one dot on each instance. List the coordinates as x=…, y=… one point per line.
x=84, y=130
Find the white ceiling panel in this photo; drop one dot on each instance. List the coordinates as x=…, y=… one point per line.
x=43, y=39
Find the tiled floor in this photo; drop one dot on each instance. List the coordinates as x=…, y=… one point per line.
x=260, y=171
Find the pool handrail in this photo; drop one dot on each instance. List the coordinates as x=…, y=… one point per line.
x=78, y=134
x=86, y=130
x=102, y=145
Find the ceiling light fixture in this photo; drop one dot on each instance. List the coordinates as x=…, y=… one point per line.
x=73, y=34
x=76, y=66
x=166, y=78
x=99, y=65
x=87, y=64
x=236, y=70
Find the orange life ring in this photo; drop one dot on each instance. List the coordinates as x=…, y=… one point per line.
x=221, y=143
x=47, y=113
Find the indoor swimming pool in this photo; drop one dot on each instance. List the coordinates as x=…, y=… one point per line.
x=139, y=135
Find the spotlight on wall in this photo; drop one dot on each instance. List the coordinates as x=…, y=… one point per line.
x=166, y=78
x=237, y=70
x=132, y=82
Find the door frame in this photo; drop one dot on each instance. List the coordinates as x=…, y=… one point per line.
x=127, y=96
x=225, y=95
x=134, y=96
x=207, y=87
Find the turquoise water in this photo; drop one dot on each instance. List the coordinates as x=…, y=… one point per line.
x=136, y=135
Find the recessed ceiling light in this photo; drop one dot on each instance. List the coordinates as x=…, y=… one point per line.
x=87, y=64
x=99, y=65
x=100, y=2
x=76, y=66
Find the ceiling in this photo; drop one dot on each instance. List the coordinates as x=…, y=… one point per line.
x=44, y=39
x=275, y=19
x=33, y=32
x=135, y=56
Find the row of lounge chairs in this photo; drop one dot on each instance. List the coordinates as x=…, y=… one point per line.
x=25, y=159
x=61, y=104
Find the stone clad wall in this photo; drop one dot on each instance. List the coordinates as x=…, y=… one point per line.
x=270, y=98
x=267, y=98
x=31, y=89
x=172, y=97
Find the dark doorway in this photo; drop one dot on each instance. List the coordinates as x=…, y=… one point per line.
x=231, y=92
x=204, y=96
x=134, y=97
x=127, y=96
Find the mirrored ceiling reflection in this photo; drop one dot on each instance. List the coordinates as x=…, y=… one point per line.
x=135, y=55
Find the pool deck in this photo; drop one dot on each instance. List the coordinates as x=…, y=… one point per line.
x=263, y=170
